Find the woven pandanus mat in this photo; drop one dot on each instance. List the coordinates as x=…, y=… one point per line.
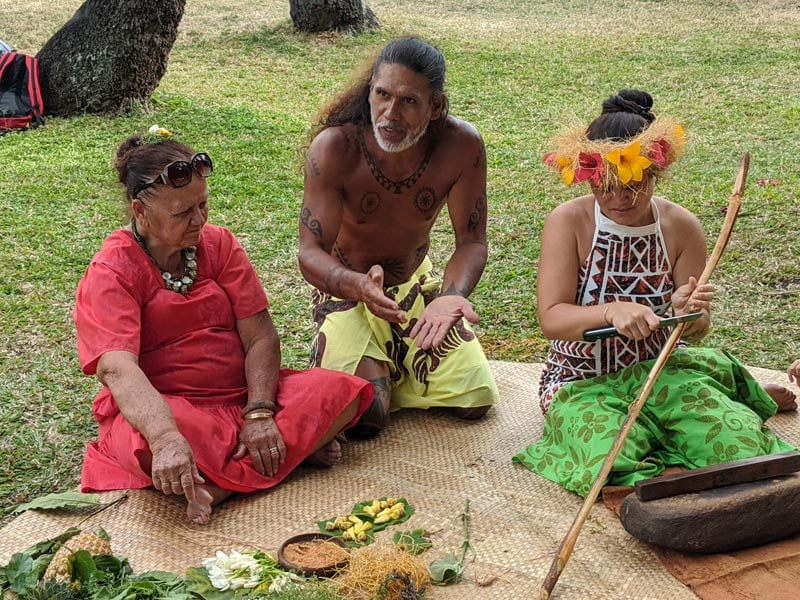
x=437, y=463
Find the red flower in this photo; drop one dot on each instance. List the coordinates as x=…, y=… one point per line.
x=658, y=152
x=590, y=166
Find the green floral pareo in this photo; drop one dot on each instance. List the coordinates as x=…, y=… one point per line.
x=705, y=409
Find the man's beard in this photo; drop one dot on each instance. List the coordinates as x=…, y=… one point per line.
x=407, y=142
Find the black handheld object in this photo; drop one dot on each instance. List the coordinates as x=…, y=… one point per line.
x=600, y=333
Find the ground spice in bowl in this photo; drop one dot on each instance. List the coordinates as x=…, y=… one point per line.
x=314, y=554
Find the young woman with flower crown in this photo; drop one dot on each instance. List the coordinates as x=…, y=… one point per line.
x=173, y=320
x=622, y=257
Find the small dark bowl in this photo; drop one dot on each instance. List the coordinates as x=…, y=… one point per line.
x=326, y=571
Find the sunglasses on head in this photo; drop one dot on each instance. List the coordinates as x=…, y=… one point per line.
x=178, y=173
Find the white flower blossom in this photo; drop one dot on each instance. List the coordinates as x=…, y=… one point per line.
x=287, y=581
x=232, y=572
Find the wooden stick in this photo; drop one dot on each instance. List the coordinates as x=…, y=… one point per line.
x=568, y=543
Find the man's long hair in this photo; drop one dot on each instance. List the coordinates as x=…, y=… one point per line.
x=352, y=105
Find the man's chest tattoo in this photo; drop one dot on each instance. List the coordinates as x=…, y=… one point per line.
x=396, y=187
x=425, y=200
x=370, y=202
x=340, y=255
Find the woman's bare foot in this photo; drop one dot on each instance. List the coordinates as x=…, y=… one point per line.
x=783, y=397
x=330, y=454
x=205, y=497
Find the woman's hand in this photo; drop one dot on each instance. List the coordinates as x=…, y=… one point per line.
x=692, y=297
x=635, y=321
x=262, y=439
x=173, y=470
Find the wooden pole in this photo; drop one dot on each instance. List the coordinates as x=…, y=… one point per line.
x=568, y=543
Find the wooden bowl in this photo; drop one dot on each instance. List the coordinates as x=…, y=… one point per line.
x=316, y=571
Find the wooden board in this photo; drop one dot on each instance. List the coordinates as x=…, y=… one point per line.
x=705, y=478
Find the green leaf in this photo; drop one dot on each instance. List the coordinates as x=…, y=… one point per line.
x=63, y=500
x=446, y=570
x=18, y=571
x=358, y=510
x=84, y=569
x=414, y=542
x=50, y=546
x=197, y=582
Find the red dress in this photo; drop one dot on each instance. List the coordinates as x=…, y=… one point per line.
x=189, y=348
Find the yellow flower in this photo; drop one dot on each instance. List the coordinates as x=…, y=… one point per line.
x=630, y=163
x=551, y=159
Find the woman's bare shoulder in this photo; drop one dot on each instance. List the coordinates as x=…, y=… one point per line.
x=674, y=214
x=577, y=210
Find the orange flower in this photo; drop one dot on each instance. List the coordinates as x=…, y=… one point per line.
x=630, y=162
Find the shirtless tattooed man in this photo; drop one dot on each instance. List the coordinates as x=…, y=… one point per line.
x=385, y=159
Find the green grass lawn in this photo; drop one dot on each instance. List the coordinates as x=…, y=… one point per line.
x=244, y=87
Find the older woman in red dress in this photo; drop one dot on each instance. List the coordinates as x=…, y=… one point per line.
x=173, y=320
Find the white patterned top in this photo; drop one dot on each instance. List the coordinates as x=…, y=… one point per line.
x=625, y=264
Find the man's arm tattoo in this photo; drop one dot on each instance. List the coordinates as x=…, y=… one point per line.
x=479, y=158
x=333, y=280
x=478, y=214
x=452, y=290
x=311, y=224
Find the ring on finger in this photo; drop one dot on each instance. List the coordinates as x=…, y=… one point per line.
x=274, y=450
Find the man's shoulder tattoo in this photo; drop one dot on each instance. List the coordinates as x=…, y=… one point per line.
x=481, y=157
x=312, y=166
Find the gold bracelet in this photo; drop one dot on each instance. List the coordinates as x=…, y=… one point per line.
x=605, y=314
x=258, y=415
x=264, y=404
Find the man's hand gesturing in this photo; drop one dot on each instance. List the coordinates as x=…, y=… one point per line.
x=372, y=295
x=437, y=319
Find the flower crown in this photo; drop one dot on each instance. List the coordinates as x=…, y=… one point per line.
x=606, y=162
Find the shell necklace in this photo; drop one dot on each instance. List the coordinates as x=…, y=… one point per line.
x=182, y=285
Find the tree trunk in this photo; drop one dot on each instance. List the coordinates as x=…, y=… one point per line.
x=314, y=16
x=109, y=57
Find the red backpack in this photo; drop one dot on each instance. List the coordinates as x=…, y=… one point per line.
x=21, y=103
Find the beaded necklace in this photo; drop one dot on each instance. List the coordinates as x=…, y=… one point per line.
x=182, y=285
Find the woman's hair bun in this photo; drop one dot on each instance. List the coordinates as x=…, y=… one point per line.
x=636, y=102
x=123, y=155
